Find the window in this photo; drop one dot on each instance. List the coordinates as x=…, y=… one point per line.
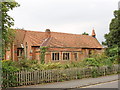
x=75, y=56
x=55, y=56
x=19, y=52
x=66, y=56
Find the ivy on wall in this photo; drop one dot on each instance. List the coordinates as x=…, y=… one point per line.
x=42, y=55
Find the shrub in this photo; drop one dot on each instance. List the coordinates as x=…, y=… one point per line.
x=8, y=80
x=90, y=62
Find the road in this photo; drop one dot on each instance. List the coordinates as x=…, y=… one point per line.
x=112, y=84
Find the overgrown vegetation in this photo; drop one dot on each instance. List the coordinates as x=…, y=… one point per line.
x=96, y=60
x=7, y=69
x=65, y=71
x=42, y=56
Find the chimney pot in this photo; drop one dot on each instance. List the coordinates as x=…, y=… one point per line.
x=48, y=33
x=47, y=30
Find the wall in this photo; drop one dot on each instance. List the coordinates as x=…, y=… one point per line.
x=82, y=53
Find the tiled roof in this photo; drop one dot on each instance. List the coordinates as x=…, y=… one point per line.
x=36, y=38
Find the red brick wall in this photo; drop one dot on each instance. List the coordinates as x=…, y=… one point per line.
x=35, y=54
x=82, y=53
x=8, y=55
x=15, y=53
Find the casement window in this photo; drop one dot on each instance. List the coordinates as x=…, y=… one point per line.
x=55, y=56
x=76, y=56
x=66, y=56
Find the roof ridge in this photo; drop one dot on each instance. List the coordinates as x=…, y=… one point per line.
x=66, y=33
x=55, y=32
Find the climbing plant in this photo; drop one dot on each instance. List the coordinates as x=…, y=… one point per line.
x=42, y=55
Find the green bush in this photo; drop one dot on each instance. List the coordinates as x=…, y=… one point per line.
x=8, y=80
x=98, y=60
x=90, y=62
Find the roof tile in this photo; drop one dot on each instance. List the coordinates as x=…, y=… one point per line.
x=57, y=39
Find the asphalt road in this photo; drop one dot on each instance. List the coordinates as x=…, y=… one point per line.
x=112, y=84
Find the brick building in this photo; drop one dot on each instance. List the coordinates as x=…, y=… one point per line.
x=62, y=47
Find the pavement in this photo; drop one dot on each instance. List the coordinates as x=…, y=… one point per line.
x=75, y=83
x=112, y=84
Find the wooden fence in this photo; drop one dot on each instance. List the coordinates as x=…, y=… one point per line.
x=46, y=76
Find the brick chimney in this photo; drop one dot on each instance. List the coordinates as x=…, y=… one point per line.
x=93, y=33
x=48, y=33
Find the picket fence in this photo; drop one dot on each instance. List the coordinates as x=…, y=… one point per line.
x=25, y=77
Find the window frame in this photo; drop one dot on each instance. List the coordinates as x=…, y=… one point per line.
x=68, y=58
x=53, y=56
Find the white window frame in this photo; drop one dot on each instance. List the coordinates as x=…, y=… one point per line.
x=66, y=59
x=54, y=56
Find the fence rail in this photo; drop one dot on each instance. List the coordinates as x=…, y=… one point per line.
x=45, y=76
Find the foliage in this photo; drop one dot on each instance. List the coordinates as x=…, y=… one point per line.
x=92, y=64
x=112, y=38
x=26, y=64
x=88, y=62
x=98, y=60
x=7, y=22
x=7, y=69
x=42, y=56
x=85, y=33
x=113, y=35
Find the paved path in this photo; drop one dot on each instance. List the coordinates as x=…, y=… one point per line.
x=112, y=84
x=75, y=83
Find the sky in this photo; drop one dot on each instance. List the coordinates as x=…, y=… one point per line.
x=68, y=16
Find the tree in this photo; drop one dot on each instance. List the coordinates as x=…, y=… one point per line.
x=85, y=33
x=113, y=37
x=7, y=22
